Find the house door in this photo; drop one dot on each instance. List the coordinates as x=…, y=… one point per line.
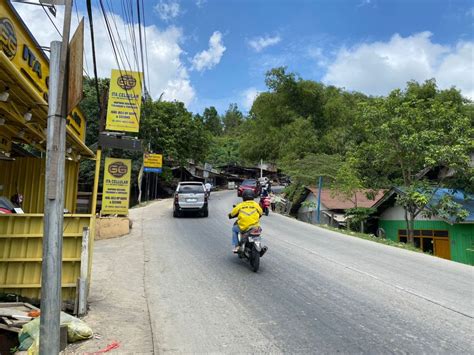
x=441, y=248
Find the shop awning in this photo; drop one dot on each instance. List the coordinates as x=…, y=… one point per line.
x=24, y=72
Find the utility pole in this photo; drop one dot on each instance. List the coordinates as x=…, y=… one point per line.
x=319, y=199
x=54, y=196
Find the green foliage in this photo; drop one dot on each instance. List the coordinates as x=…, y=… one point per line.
x=347, y=181
x=232, y=119
x=212, y=121
x=223, y=150
x=357, y=215
x=448, y=209
x=309, y=168
x=415, y=129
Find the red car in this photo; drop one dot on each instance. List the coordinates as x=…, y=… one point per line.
x=249, y=184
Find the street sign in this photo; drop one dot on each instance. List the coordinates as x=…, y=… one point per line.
x=152, y=170
x=151, y=160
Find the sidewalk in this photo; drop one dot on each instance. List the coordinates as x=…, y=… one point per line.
x=118, y=309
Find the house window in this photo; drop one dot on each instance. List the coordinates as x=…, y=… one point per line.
x=430, y=241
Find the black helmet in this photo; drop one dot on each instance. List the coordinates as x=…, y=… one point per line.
x=247, y=195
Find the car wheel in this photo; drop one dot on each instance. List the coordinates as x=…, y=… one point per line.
x=176, y=214
x=205, y=213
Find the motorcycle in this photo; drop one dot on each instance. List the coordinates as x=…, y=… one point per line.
x=265, y=204
x=250, y=247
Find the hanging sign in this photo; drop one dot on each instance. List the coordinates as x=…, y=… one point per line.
x=152, y=163
x=116, y=192
x=125, y=95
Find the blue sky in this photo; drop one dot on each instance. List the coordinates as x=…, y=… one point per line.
x=216, y=52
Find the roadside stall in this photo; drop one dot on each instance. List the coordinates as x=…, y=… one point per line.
x=24, y=71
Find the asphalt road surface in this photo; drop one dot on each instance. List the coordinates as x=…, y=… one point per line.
x=317, y=291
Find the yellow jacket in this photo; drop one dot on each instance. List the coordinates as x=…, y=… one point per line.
x=248, y=214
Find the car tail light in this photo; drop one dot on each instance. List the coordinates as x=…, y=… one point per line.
x=176, y=198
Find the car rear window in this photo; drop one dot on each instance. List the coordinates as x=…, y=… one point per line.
x=249, y=183
x=191, y=189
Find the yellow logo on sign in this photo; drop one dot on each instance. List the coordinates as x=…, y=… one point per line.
x=126, y=82
x=8, y=38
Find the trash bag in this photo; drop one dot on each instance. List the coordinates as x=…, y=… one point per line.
x=76, y=330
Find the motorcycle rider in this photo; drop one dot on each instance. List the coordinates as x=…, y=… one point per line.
x=248, y=215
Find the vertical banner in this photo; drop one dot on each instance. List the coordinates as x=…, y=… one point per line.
x=125, y=96
x=116, y=192
x=152, y=163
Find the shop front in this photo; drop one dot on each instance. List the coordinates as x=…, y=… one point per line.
x=24, y=72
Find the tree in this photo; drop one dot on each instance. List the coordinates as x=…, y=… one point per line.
x=232, y=119
x=212, y=121
x=416, y=129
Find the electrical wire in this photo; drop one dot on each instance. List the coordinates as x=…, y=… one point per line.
x=146, y=48
x=116, y=54
x=94, y=60
x=50, y=19
x=141, y=44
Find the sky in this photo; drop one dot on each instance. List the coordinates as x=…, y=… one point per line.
x=216, y=52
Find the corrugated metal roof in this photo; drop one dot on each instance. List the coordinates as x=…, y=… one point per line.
x=333, y=201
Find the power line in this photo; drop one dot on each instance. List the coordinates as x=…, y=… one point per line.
x=141, y=43
x=94, y=61
x=146, y=47
x=112, y=40
x=50, y=19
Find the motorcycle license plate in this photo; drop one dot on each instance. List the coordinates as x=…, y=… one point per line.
x=191, y=200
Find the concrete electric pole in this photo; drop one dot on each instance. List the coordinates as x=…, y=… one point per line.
x=54, y=196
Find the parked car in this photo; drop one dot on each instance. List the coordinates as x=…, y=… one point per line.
x=249, y=184
x=190, y=196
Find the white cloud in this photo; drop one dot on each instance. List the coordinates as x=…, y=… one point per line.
x=200, y=3
x=260, y=43
x=209, y=58
x=317, y=54
x=166, y=75
x=168, y=10
x=379, y=67
x=248, y=97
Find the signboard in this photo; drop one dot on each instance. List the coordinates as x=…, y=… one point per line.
x=116, y=192
x=77, y=122
x=75, y=78
x=125, y=95
x=152, y=163
x=127, y=143
x=21, y=49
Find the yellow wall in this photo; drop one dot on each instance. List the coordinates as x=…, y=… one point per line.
x=26, y=176
x=21, y=248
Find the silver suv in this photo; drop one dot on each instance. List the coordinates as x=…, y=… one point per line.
x=190, y=196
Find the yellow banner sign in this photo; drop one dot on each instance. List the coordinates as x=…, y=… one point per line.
x=125, y=95
x=116, y=192
x=152, y=160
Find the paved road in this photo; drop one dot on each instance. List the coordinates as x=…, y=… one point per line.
x=316, y=291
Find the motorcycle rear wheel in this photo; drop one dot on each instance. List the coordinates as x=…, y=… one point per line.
x=254, y=260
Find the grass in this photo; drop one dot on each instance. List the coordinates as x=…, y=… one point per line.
x=372, y=238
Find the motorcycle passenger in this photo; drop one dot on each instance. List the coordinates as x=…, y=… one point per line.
x=248, y=215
